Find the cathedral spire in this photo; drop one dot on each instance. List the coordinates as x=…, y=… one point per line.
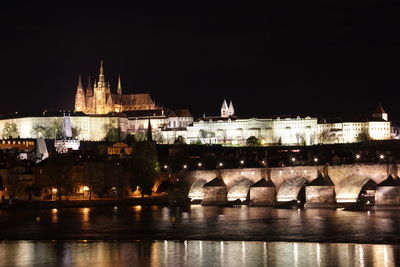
x=89, y=91
x=80, y=82
x=101, y=76
x=119, y=86
x=79, y=97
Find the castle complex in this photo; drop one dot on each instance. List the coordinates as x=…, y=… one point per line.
x=97, y=110
x=102, y=101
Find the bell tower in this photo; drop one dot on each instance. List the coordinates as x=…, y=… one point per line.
x=100, y=91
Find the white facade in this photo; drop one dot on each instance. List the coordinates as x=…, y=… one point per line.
x=231, y=131
x=352, y=132
x=94, y=127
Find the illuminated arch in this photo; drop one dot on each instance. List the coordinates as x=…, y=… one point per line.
x=240, y=190
x=291, y=189
x=350, y=189
x=196, y=191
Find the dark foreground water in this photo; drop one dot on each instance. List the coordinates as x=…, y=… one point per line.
x=194, y=253
x=198, y=236
x=202, y=223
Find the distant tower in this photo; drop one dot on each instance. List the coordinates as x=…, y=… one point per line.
x=224, y=110
x=231, y=110
x=119, y=91
x=100, y=92
x=79, y=97
x=89, y=90
x=380, y=113
x=149, y=131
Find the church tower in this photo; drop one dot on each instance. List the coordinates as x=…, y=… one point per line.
x=100, y=91
x=231, y=110
x=224, y=110
x=79, y=97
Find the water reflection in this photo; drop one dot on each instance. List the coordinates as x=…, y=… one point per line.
x=196, y=253
x=203, y=223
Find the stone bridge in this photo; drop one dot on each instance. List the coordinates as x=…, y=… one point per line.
x=348, y=180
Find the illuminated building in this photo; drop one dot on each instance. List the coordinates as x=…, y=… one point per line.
x=231, y=130
x=100, y=100
x=339, y=130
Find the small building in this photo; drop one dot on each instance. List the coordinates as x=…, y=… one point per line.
x=263, y=193
x=215, y=192
x=120, y=149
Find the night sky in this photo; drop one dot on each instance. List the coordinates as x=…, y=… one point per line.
x=326, y=58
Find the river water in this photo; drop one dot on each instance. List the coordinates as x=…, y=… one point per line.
x=199, y=236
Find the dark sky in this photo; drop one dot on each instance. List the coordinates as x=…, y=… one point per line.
x=327, y=58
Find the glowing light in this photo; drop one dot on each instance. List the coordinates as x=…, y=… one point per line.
x=381, y=156
x=358, y=156
x=221, y=164
x=315, y=159
x=165, y=166
x=54, y=190
x=54, y=210
x=199, y=164
x=242, y=161
x=185, y=166
x=293, y=159
x=85, y=188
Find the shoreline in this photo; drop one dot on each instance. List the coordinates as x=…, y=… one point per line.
x=33, y=204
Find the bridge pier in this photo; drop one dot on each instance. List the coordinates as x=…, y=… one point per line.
x=215, y=192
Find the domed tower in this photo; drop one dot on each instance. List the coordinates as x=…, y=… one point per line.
x=79, y=97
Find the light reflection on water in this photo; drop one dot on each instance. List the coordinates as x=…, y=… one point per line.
x=202, y=223
x=195, y=253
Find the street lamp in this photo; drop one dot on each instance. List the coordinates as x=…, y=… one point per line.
x=199, y=164
x=381, y=156
x=315, y=160
x=185, y=166
x=221, y=164
x=358, y=156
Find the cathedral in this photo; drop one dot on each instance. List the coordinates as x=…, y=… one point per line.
x=100, y=100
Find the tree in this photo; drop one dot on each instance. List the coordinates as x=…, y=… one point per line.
x=145, y=166
x=253, y=141
x=58, y=173
x=53, y=131
x=326, y=137
x=10, y=130
x=179, y=140
x=113, y=134
x=363, y=136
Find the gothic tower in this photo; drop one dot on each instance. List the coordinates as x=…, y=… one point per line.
x=79, y=97
x=100, y=91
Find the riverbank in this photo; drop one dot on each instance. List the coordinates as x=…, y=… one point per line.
x=34, y=204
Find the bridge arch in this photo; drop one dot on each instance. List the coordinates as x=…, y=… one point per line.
x=292, y=189
x=355, y=187
x=196, y=191
x=240, y=189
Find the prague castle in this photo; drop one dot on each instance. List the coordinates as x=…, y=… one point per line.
x=100, y=100
x=98, y=110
